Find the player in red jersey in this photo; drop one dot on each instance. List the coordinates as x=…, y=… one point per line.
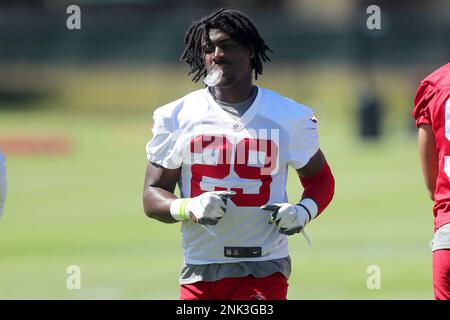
x=432, y=115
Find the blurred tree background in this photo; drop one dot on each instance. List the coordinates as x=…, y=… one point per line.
x=33, y=35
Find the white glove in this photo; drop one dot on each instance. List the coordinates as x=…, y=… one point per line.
x=207, y=208
x=291, y=218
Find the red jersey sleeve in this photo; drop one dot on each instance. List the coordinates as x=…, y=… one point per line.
x=424, y=95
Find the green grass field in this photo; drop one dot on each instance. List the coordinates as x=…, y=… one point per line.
x=85, y=208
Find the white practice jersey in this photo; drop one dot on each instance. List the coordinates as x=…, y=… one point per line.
x=249, y=156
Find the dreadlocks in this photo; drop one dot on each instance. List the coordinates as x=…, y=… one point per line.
x=238, y=26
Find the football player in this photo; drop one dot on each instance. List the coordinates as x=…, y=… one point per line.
x=229, y=146
x=432, y=115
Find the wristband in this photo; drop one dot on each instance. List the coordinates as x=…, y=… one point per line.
x=178, y=209
x=310, y=206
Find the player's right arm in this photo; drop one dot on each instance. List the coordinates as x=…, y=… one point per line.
x=159, y=187
x=161, y=204
x=428, y=157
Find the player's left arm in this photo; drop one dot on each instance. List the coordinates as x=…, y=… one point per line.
x=428, y=157
x=318, y=183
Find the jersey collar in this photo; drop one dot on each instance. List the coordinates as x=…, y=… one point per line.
x=246, y=117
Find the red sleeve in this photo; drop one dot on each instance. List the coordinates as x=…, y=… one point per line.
x=319, y=187
x=424, y=95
